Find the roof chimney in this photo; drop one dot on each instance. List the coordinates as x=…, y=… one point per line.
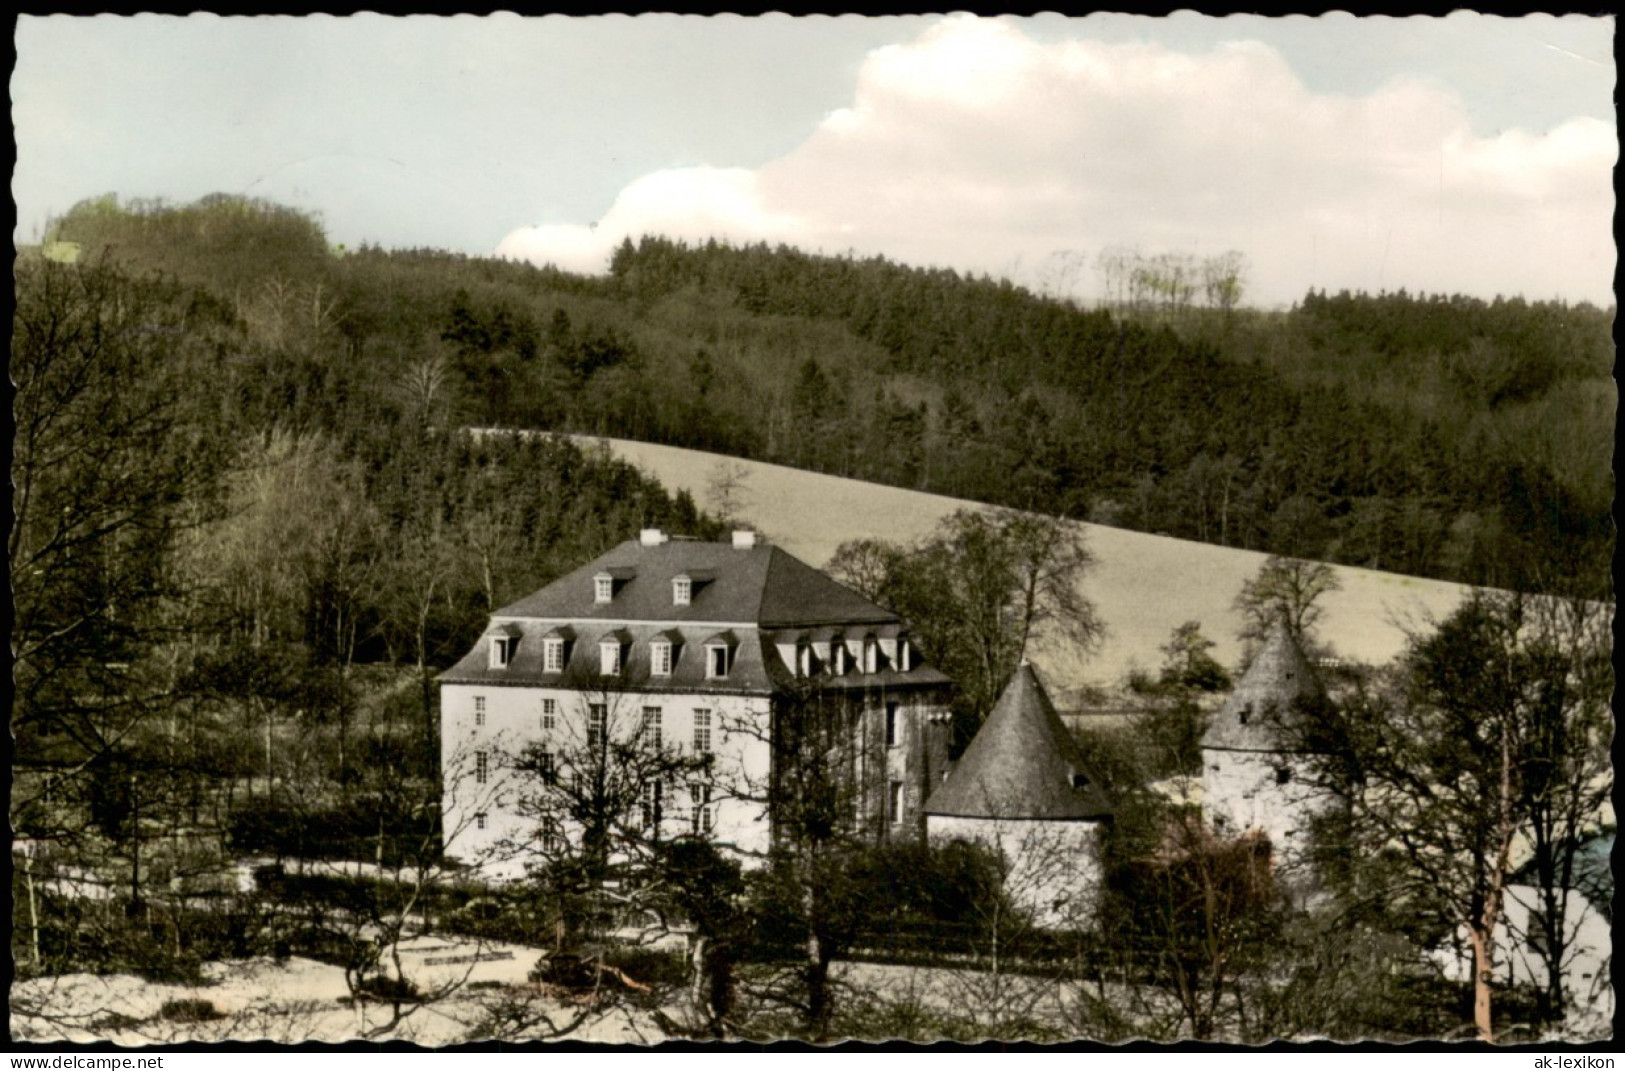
x=652, y=537
x=744, y=539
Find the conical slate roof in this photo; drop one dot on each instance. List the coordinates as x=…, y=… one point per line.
x=1022, y=764
x=1269, y=696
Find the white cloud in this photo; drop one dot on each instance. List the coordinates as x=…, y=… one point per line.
x=979, y=148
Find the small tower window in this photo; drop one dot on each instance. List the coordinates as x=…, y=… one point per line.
x=1283, y=775
x=893, y=736
x=1080, y=781
x=894, y=803
x=1246, y=712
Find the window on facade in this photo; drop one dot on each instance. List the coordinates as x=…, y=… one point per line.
x=1246, y=712
x=682, y=591
x=479, y=710
x=609, y=658
x=482, y=767
x=479, y=820
x=700, y=817
x=545, y=768
x=716, y=661
x=550, y=713
x=892, y=731
x=651, y=727
x=702, y=732
x=502, y=649
x=603, y=589
x=548, y=834
x=894, y=803
x=649, y=802
x=597, y=724
x=553, y=656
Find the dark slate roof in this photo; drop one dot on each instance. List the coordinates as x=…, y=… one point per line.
x=759, y=585
x=753, y=597
x=1278, y=685
x=1021, y=764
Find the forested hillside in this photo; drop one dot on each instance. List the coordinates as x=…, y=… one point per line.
x=1441, y=436
x=223, y=514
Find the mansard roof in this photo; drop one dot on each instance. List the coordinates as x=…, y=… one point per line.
x=1270, y=697
x=758, y=585
x=1022, y=764
x=754, y=597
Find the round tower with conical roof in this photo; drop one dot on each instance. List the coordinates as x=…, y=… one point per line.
x=1023, y=789
x=1252, y=756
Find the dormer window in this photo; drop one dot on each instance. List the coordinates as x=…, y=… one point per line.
x=682, y=591
x=606, y=582
x=837, y=657
x=871, y=655
x=806, y=661
x=660, y=658
x=502, y=650
x=553, y=655
x=609, y=657
x=716, y=661
x=905, y=654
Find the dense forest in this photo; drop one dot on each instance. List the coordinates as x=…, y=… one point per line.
x=1441, y=436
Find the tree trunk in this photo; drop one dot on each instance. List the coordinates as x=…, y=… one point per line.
x=817, y=969
x=33, y=908
x=1483, y=976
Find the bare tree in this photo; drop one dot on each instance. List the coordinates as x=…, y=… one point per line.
x=984, y=588
x=1289, y=589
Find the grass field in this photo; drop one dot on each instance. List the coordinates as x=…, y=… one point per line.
x=1144, y=585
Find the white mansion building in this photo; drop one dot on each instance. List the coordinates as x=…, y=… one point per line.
x=702, y=648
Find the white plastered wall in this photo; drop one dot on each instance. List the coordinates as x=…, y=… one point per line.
x=514, y=721
x=1053, y=867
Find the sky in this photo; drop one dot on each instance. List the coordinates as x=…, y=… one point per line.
x=1469, y=154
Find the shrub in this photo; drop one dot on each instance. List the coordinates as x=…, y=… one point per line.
x=648, y=966
x=190, y=1010
x=387, y=987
